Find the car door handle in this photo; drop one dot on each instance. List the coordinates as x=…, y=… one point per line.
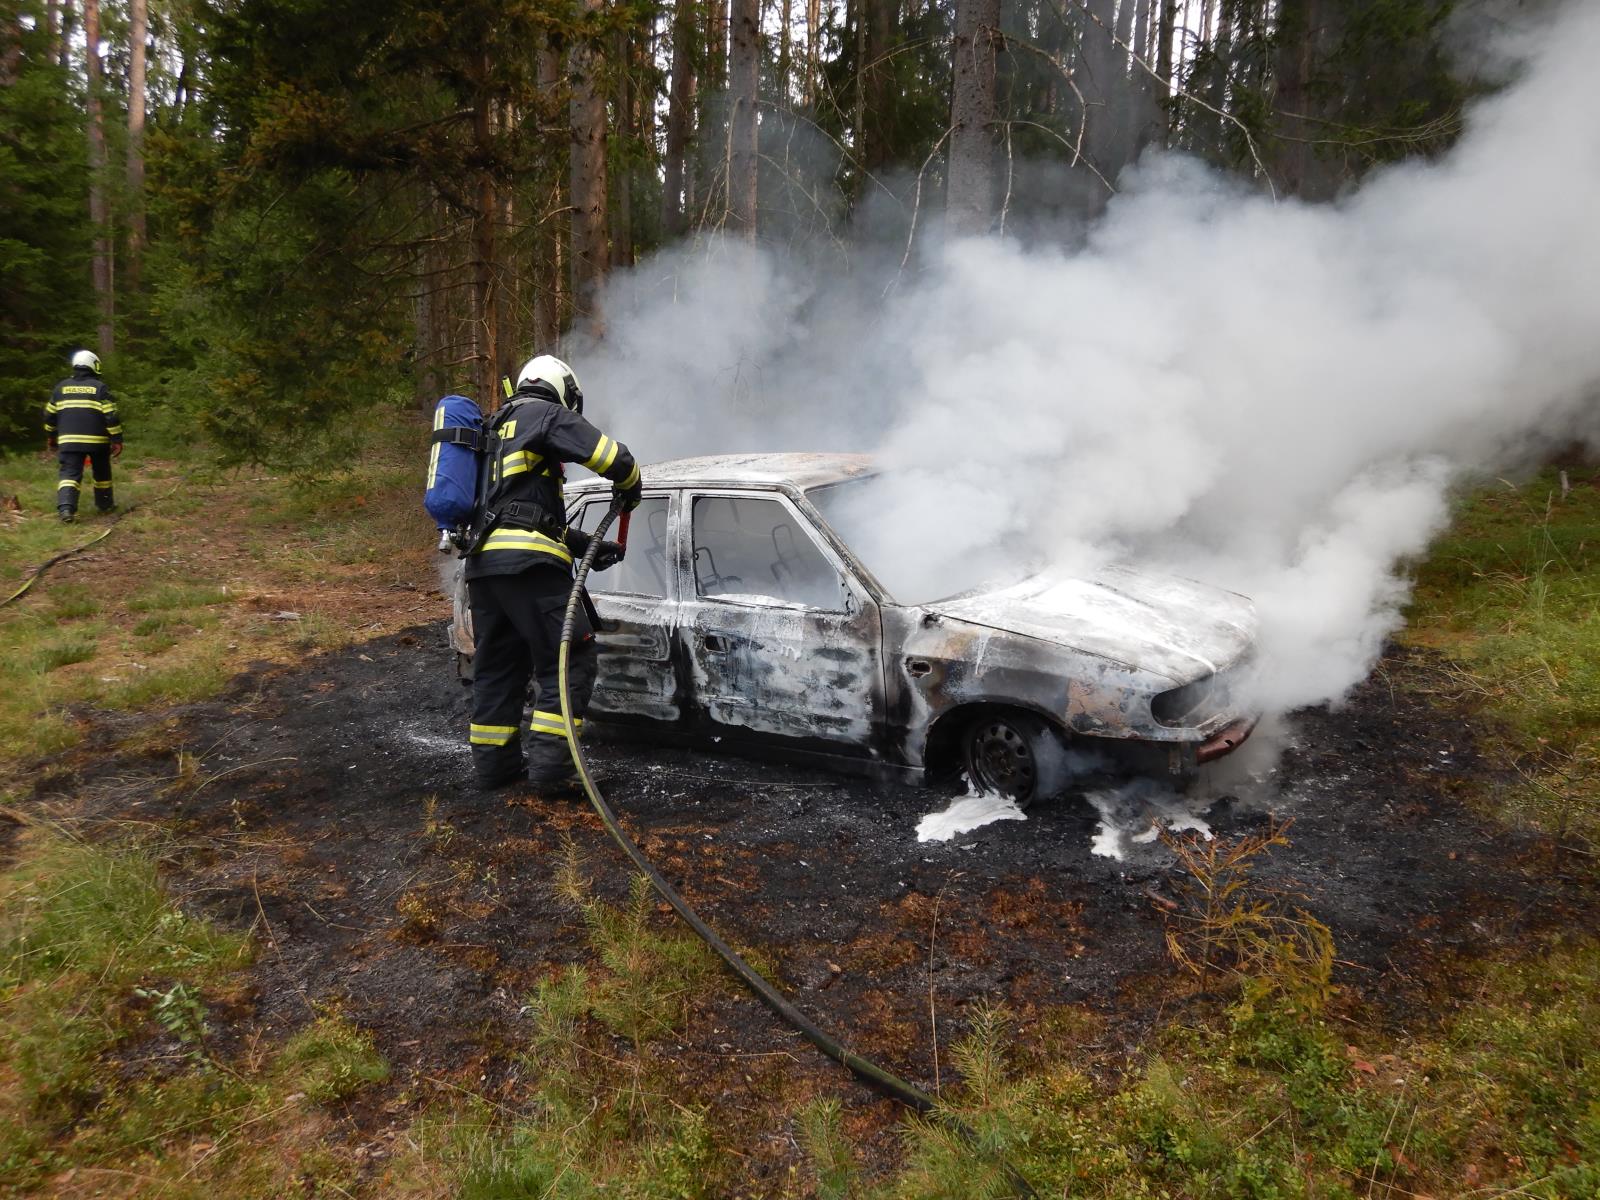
x=717, y=643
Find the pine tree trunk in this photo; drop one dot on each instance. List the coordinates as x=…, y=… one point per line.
x=485, y=310
x=102, y=263
x=628, y=133
x=744, y=73
x=785, y=49
x=64, y=41
x=137, y=30
x=590, y=252
x=883, y=19
x=813, y=22
x=680, y=112
x=969, y=193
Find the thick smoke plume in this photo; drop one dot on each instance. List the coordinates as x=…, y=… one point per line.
x=1273, y=397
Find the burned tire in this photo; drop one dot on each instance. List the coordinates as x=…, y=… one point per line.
x=1015, y=755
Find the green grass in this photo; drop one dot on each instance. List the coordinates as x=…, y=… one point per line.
x=95, y=960
x=57, y=654
x=330, y=1060
x=1511, y=594
x=167, y=597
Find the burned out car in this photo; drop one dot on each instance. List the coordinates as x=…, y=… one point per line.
x=741, y=616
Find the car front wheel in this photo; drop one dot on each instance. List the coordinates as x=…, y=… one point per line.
x=1014, y=755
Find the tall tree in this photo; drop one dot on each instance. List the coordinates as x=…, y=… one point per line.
x=969, y=191
x=680, y=114
x=590, y=249
x=744, y=77
x=137, y=33
x=99, y=210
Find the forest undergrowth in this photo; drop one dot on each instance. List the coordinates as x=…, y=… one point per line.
x=129, y=1065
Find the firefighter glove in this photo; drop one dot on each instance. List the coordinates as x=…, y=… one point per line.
x=609, y=555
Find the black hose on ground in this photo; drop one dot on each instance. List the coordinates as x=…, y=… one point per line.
x=886, y=1081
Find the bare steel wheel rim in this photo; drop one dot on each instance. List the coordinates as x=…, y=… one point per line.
x=1001, y=760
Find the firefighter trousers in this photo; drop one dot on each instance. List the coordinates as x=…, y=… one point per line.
x=516, y=625
x=69, y=479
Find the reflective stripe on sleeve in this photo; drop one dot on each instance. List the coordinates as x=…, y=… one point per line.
x=605, y=453
x=551, y=723
x=492, y=735
x=632, y=479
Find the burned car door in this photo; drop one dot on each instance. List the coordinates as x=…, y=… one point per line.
x=781, y=641
x=636, y=599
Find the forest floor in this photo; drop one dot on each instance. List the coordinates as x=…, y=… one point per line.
x=485, y=979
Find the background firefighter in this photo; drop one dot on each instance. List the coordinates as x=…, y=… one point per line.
x=520, y=574
x=81, y=422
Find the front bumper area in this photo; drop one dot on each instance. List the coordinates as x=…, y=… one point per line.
x=1225, y=741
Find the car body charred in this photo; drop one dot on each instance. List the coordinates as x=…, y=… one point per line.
x=740, y=617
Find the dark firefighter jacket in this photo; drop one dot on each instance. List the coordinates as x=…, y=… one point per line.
x=82, y=415
x=525, y=496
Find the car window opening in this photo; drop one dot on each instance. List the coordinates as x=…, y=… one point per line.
x=644, y=571
x=747, y=548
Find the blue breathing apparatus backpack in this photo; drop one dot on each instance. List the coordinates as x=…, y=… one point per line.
x=456, y=467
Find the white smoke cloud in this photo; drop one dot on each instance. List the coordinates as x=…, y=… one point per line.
x=1273, y=397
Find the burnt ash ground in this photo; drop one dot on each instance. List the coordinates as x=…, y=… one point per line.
x=307, y=818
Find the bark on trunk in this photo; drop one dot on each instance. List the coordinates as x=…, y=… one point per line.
x=590, y=252
x=680, y=113
x=969, y=192
x=64, y=42
x=621, y=215
x=485, y=310
x=883, y=20
x=137, y=29
x=1301, y=25
x=744, y=72
x=549, y=265
x=102, y=263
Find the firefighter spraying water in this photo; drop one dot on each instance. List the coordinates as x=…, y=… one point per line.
x=495, y=487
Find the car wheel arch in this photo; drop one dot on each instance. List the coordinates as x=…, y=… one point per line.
x=942, y=748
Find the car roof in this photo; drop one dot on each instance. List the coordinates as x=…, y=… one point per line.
x=800, y=470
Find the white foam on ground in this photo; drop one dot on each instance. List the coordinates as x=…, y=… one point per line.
x=437, y=744
x=1136, y=813
x=969, y=812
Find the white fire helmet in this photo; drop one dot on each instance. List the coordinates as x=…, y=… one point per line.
x=87, y=358
x=549, y=369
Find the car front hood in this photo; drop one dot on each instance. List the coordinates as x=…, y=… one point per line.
x=1159, y=623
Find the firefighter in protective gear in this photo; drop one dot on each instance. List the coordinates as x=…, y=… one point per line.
x=81, y=422
x=519, y=575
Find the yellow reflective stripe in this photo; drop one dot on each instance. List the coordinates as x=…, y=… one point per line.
x=551, y=723
x=92, y=404
x=51, y=408
x=103, y=484
x=83, y=439
x=519, y=461
x=433, y=458
x=633, y=478
x=492, y=735
x=527, y=539
x=508, y=430
x=600, y=459
x=71, y=483
x=114, y=430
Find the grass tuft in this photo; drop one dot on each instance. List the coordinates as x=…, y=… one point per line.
x=330, y=1060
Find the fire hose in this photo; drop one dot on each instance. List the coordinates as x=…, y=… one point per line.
x=886, y=1081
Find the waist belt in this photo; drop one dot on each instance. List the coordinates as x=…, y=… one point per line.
x=520, y=514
